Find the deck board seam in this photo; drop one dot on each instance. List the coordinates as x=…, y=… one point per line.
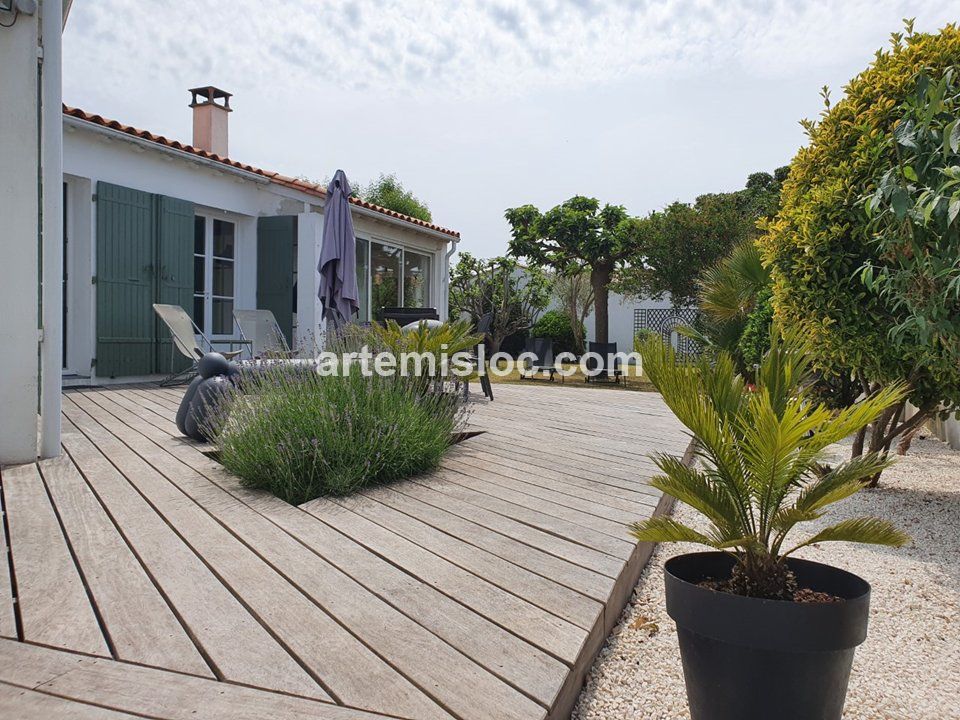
x=17, y=618
x=188, y=631
x=111, y=647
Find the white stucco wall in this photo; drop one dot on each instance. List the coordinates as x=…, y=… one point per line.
x=29, y=182
x=19, y=267
x=620, y=313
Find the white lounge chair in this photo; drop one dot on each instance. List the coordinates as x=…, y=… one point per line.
x=260, y=327
x=185, y=333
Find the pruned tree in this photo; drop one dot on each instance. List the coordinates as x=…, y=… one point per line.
x=573, y=237
x=574, y=293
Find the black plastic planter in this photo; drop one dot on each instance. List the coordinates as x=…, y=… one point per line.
x=750, y=659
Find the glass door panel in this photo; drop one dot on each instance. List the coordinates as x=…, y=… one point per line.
x=385, y=277
x=416, y=280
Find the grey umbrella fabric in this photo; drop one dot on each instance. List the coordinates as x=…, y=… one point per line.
x=338, y=257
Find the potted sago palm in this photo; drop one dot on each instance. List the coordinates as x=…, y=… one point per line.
x=762, y=634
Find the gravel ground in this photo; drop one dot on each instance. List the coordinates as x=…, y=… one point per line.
x=909, y=667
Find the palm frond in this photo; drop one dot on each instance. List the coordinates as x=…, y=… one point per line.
x=786, y=518
x=852, y=418
x=870, y=531
x=759, y=450
x=729, y=288
x=699, y=491
x=841, y=482
x=664, y=529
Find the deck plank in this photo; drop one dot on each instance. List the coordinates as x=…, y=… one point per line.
x=346, y=668
x=153, y=692
x=24, y=704
x=54, y=606
x=551, y=543
x=141, y=626
x=8, y=617
x=480, y=591
x=542, y=515
x=546, y=594
x=587, y=582
x=236, y=645
x=388, y=633
x=560, y=638
x=547, y=488
x=510, y=658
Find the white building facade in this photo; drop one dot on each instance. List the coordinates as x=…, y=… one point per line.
x=152, y=220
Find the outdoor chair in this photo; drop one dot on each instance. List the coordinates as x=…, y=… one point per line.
x=185, y=333
x=483, y=329
x=266, y=338
x=607, y=364
x=544, y=361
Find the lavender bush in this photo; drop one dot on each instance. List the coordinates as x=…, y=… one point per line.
x=301, y=435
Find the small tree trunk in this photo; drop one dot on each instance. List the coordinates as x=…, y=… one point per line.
x=903, y=447
x=857, y=449
x=878, y=432
x=600, y=281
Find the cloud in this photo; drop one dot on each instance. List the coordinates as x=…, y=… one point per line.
x=470, y=48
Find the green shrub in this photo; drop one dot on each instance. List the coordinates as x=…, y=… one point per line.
x=556, y=325
x=301, y=435
x=822, y=246
x=640, y=337
x=755, y=340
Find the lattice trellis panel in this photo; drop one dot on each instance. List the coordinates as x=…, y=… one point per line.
x=665, y=322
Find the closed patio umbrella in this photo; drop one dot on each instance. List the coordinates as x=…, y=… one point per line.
x=338, y=257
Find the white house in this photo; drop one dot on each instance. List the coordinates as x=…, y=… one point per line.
x=146, y=219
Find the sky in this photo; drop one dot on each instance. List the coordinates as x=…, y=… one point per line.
x=482, y=105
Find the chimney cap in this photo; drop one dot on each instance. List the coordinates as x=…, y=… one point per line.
x=208, y=94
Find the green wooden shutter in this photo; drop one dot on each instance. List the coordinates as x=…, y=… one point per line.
x=275, y=262
x=126, y=257
x=175, y=272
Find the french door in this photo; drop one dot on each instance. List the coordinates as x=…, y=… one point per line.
x=214, y=276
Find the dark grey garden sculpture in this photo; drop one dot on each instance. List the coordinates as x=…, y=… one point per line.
x=217, y=376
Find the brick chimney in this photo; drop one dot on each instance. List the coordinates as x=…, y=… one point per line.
x=210, y=112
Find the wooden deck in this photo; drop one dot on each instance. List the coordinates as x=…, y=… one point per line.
x=144, y=581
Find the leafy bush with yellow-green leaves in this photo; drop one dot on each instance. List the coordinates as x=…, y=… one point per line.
x=822, y=242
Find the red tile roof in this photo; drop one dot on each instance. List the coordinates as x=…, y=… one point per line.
x=302, y=185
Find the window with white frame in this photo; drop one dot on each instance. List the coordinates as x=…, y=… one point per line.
x=391, y=276
x=214, y=258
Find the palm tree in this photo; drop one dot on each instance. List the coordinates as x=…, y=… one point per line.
x=728, y=294
x=759, y=452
